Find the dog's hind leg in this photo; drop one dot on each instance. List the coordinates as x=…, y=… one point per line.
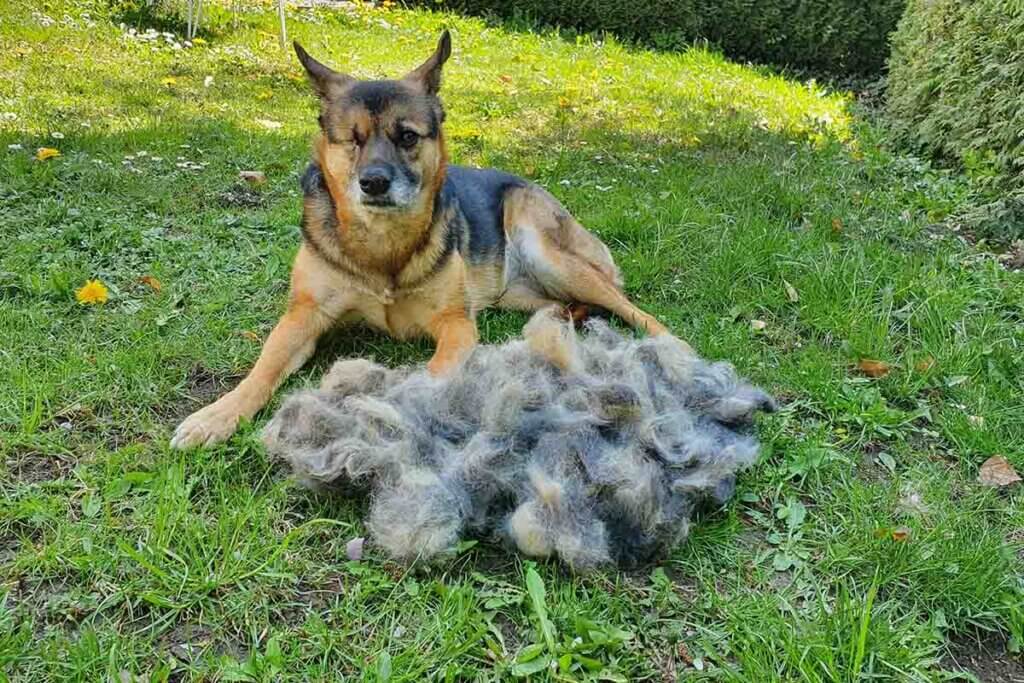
x=521, y=296
x=578, y=281
x=564, y=261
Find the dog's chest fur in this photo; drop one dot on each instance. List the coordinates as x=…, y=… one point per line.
x=457, y=260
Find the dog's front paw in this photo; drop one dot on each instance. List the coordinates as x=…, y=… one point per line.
x=212, y=424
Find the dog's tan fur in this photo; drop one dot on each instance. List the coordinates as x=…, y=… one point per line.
x=382, y=267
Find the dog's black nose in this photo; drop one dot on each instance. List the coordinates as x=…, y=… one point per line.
x=375, y=180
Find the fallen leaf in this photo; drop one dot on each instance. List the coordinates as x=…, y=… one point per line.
x=269, y=124
x=354, y=549
x=925, y=364
x=791, y=292
x=44, y=153
x=505, y=78
x=901, y=534
x=998, y=472
x=837, y=225
x=563, y=103
x=92, y=292
x=169, y=80
x=251, y=336
x=152, y=282
x=253, y=177
x=873, y=368
x=758, y=325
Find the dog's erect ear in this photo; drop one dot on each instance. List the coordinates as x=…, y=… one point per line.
x=428, y=74
x=326, y=81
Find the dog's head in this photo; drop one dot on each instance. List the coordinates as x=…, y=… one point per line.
x=382, y=146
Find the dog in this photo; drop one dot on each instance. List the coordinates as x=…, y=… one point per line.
x=396, y=237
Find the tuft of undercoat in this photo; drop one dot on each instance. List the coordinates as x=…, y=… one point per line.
x=594, y=448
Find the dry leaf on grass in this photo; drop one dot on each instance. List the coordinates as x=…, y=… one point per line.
x=253, y=177
x=837, y=225
x=925, y=364
x=998, y=472
x=901, y=534
x=155, y=284
x=873, y=368
x=44, y=153
x=791, y=292
x=251, y=336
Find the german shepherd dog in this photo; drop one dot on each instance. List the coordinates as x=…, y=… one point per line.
x=397, y=237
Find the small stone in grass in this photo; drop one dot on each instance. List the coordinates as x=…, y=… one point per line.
x=354, y=549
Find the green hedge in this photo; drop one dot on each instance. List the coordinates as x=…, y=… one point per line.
x=837, y=36
x=956, y=84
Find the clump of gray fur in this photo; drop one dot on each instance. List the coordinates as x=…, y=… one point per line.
x=595, y=449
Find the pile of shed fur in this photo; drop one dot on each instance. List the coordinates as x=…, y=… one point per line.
x=596, y=449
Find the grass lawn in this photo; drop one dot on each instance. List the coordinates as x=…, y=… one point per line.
x=861, y=547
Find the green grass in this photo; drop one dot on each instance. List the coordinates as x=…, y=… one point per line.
x=715, y=185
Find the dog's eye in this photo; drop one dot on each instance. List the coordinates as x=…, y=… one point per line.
x=408, y=138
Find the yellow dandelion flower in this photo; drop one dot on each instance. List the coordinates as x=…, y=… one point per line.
x=44, y=153
x=170, y=80
x=198, y=41
x=92, y=292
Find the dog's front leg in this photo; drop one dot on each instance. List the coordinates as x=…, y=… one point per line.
x=288, y=347
x=456, y=336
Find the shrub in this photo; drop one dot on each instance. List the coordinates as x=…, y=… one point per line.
x=837, y=36
x=956, y=85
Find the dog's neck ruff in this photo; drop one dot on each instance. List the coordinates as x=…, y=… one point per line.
x=332, y=233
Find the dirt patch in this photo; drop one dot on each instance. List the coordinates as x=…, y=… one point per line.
x=870, y=468
x=187, y=642
x=1016, y=540
x=1013, y=259
x=984, y=656
x=242, y=197
x=202, y=386
x=33, y=467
